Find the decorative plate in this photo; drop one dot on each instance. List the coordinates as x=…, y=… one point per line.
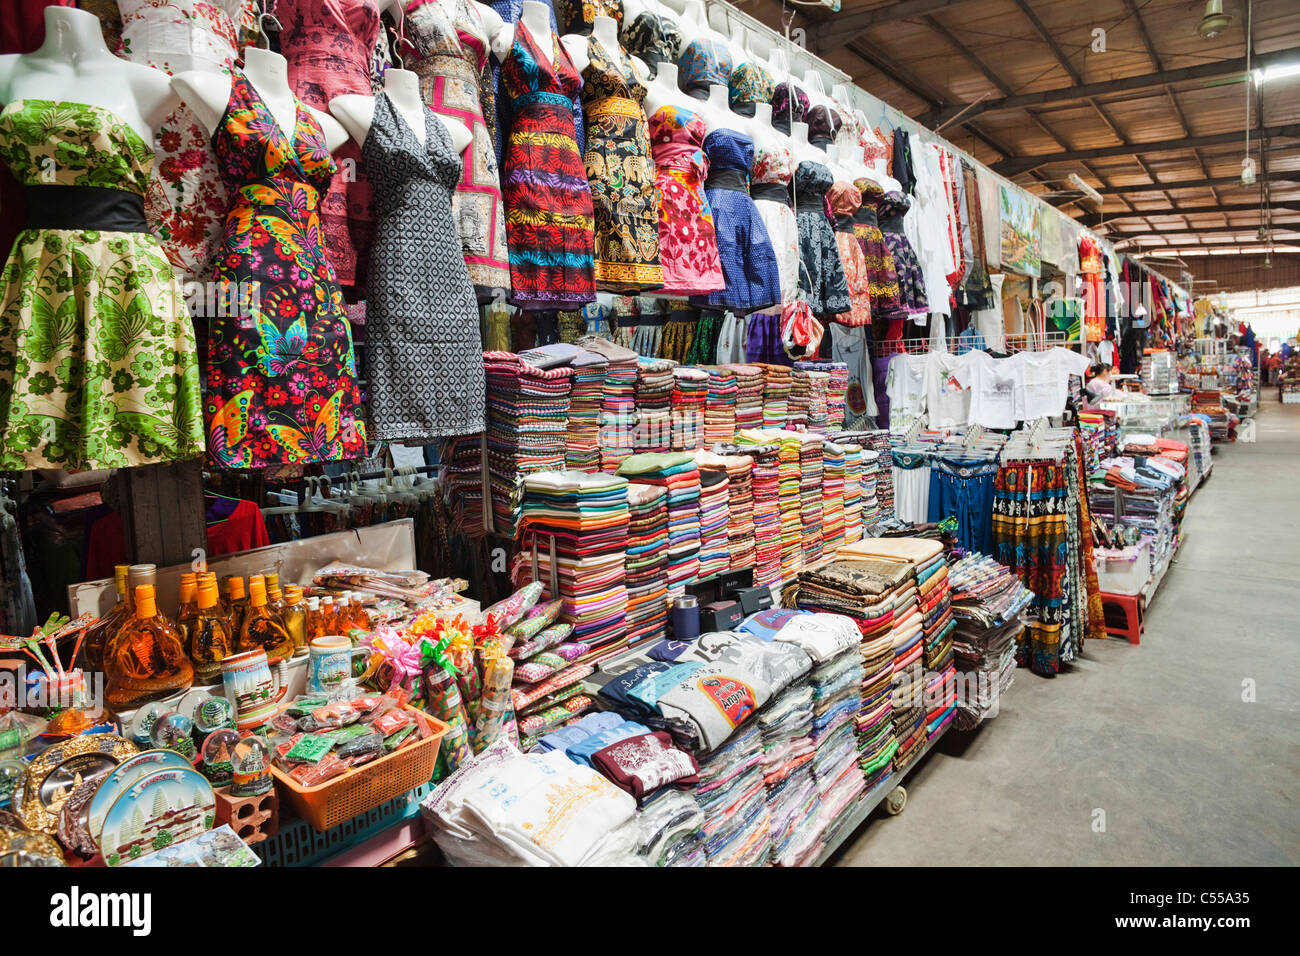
x=157, y=810
x=24, y=848
x=127, y=773
x=53, y=775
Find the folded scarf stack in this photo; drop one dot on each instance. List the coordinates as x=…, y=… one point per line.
x=715, y=555
x=877, y=441
x=582, y=452
x=647, y=562
x=789, y=476
x=835, y=495
x=680, y=476
x=618, y=403
x=767, y=506
x=938, y=626
x=812, y=496
x=654, y=399
x=987, y=598
x=690, y=392
x=740, y=504
x=869, y=482
x=720, y=406
x=810, y=400
x=750, y=383
x=778, y=381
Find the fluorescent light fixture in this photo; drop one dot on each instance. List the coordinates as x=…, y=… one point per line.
x=1278, y=71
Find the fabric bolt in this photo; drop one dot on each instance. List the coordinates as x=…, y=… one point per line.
x=688, y=243
x=452, y=51
x=550, y=224
x=328, y=45
x=281, y=380
x=821, y=271
x=621, y=173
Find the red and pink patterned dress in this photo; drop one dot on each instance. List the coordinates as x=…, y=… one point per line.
x=688, y=244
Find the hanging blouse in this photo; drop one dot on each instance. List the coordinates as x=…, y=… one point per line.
x=703, y=63
x=655, y=39
x=749, y=84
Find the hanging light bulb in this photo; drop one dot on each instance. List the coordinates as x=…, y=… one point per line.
x=1247, y=171
x=1215, y=20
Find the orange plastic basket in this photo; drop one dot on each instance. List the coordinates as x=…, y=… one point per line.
x=357, y=791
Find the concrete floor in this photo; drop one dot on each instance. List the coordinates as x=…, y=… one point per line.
x=1156, y=736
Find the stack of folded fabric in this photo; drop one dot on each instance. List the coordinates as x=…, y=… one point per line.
x=690, y=392
x=987, y=598
x=618, y=405
x=865, y=590
x=647, y=562
x=582, y=451
x=732, y=795
x=740, y=503
x=461, y=472
x=837, y=393
x=715, y=554
x=852, y=493
x=584, y=519
x=800, y=397
x=654, y=399
x=938, y=626
x=812, y=494
x=832, y=641
x=767, y=505
x=777, y=383
x=818, y=397
x=835, y=497
x=750, y=382
x=528, y=416
x=869, y=479
x=720, y=407
x=670, y=829
x=789, y=479
x=678, y=473
x=877, y=441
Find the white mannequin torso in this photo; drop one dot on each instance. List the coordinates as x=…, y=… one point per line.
x=717, y=114
x=663, y=91
x=803, y=150
x=357, y=112
x=208, y=95
x=535, y=16
x=74, y=66
x=604, y=31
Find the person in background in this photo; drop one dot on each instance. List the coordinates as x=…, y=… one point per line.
x=1098, y=387
x=1263, y=366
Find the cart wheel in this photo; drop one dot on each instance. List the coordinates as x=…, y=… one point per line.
x=896, y=800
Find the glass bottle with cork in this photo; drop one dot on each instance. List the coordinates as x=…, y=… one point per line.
x=236, y=603
x=146, y=659
x=187, y=608
x=210, y=641
x=294, y=616
x=263, y=630
x=102, y=631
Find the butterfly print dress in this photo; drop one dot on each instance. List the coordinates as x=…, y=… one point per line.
x=281, y=370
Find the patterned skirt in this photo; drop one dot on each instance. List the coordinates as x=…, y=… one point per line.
x=882, y=277
x=822, y=271
x=550, y=226
x=911, y=283
x=625, y=197
x=748, y=259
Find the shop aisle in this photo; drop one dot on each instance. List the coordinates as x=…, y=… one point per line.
x=1157, y=736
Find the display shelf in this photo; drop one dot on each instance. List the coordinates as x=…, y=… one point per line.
x=854, y=816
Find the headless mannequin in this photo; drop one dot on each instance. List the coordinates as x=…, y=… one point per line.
x=208, y=95
x=357, y=112
x=812, y=85
x=535, y=16
x=604, y=31
x=663, y=91
x=717, y=114
x=74, y=66
x=804, y=151
x=694, y=25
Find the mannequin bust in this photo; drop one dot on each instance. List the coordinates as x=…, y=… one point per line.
x=663, y=91
x=812, y=85
x=694, y=25
x=803, y=150
x=535, y=16
x=208, y=95
x=604, y=31
x=357, y=112
x=74, y=66
x=716, y=110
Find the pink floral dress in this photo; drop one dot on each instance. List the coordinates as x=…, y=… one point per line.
x=688, y=243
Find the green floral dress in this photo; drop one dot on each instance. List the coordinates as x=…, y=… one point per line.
x=98, y=364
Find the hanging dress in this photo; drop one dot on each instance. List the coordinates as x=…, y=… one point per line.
x=98, y=367
x=281, y=373
x=424, y=366
x=452, y=50
x=770, y=190
x=688, y=242
x=549, y=217
x=845, y=202
x=704, y=62
x=882, y=278
x=821, y=272
x=329, y=45
x=753, y=280
x=823, y=124
x=749, y=84
x=186, y=202
x=891, y=209
x=578, y=16
x=653, y=38
x=621, y=174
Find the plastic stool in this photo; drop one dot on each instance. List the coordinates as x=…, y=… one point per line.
x=1123, y=614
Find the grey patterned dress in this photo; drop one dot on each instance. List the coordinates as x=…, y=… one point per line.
x=422, y=337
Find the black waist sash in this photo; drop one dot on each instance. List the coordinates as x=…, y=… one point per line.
x=866, y=216
x=814, y=203
x=771, y=192
x=844, y=224
x=84, y=207
x=733, y=179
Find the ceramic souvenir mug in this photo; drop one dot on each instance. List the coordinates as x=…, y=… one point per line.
x=330, y=667
x=255, y=687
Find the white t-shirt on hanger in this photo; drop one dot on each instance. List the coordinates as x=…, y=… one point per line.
x=992, y=383
x=1043, y=380
x=905, y=386
x=947, y=401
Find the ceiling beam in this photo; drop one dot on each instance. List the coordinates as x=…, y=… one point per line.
x=1062, y=94
x=1284, y=229
x=1216, y=209
x=1023, y=164
x=1204, y=183
x=841, y=29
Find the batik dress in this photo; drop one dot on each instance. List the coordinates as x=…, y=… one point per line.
x=688, y=242
x=281, y=370
x=882, y=278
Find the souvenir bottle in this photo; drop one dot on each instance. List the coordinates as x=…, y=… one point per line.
x=209, y=641
x=328, y=618
x=274, y=594
x=295, y=617
x=360, y=619
x=263, y=630
x=146, y=660
x=315, y=620
x=102, y=631
x=187, y=608
x=236, y=603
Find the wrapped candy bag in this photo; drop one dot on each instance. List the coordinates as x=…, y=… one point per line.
x=442, y=699
x=510, y=610
x=496, y=712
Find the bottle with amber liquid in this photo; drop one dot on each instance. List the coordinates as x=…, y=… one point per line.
x=236, y=603
x=315, y=620
x=274, y=594
x=294, y=616
x=210, y=641
x=328, y=617
x=146, y=659
x=102, y=631
x=263, y=630
x=360, y=619
x=187, y=608
x=343, y=613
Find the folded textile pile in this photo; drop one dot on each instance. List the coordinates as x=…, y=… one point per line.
x=460, y=470
x=671, y=831
x=938, y=625
x=835, y=494
x=583, y=519
x=813, y=496
x=987, y=598
x=528, y=416
x=732, y=795
x=586, y=396
x=750, y=383
x=720, y=406
x=654, y=400
x=877, y=441
x=831, y=641
x=715, y=554
x=852, y=493
x=837, y=392
x=810, y=399
x=647, y=562
x=767, y=506
x=678, y=473
x=618, y=403
x=778, y=380
x=869, y=482
x=690, y=392
x=499, y=809
x=789, y=500
x=740, y=504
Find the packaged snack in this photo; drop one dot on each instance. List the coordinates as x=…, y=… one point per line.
x=539, y=668
x=548, y=638
x=367, y=745
x=309, y=775
x=391, y=722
